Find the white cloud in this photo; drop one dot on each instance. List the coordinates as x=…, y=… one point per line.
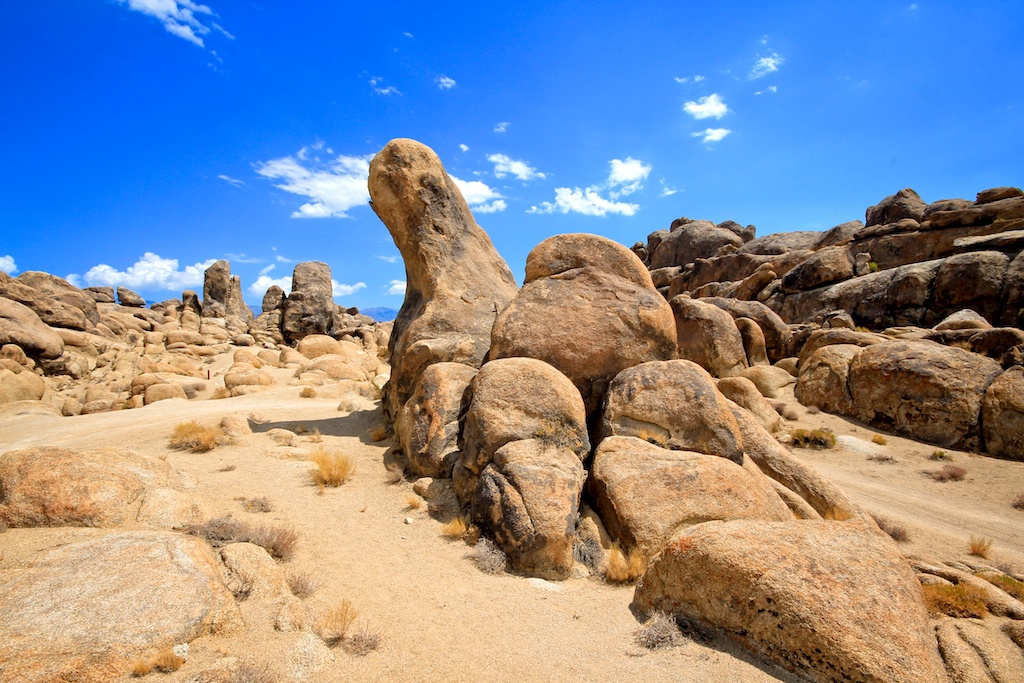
x=377, y=84
x=480, y=196
x=388, y=259
x=708, y=107
x=689, y=79
x=338, y=289
x=397, y=287
x=149, y=273
x=771, y=89
x=666, y=191
x=243, y=258
x=263, y=283
x=178, y=17
x=282, y=259
x=234, y=181
x=711, y=134
x=501, y=127
x=627, y=176
x=464, y=148
x=408, y=35
x=445, y=83
x=587, y=202
x=267, y=269
x=766, y=65
x=335, y=186
x=503, y=165
x=7, y=265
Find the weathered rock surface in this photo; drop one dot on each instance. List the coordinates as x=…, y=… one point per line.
x=832, y=601
x=20, y=325
x=708, y=336
x=692, y=240
x=589, y=308
x=455, y=281
x=745, y=393
x=824, y=379
x=428, y=425
x=1003, y=415
x=309, y=309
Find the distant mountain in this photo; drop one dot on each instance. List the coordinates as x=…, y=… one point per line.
x=380, y=314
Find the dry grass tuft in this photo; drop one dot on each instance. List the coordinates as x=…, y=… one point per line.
x=980, y=546
x=660, y=631
x=488, y=557
x=315, y=436
x=814, y=438
x=332, y=468
x=303, y=584
x=261, y=504
x=940, y=455
x=949, y=473
x=395, y=474
x=334, y=623
x=413, y=502
x=457, y=529
x=813, y=410
x=228, y=468
x=787, y=412
x=363, y=642
x=142, y=667
x=961, y=601
x=167, y=661
x=221, y=392
x=1018, y=502
x=879, y=439
x=1009, y=584
x=588, y=552
x=194, y=437
x=280, y=542
x=252, y=672
x=307, y=392
x=378, y=434
x=624, y=567
x=882, y=457
x=896, y=532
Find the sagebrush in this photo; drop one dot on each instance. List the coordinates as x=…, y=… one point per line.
x=332, y=468
x=624, y=566
x=194, y=437
x=280, y=542
x=814, y=438
x=660, y=631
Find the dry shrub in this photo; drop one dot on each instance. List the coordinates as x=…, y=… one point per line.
x=457, y=529
x=961, y=601
x=786, y=412
x=624, y=567
x=280, y=542
x=940, y=455
x=302, y=584
x=261, y=504
x=332, y=468
x=221, y=392
x=488, y=557
x=378, y=434
x=814, y=438
x=194, y=437
x=167, y=661
x=813, y=410
x=587, y=551
x=1008, y=584
x=333, y=624
x=395, y=474
x=253, y=672
x=228, y=468
x=142, y=667
x=363, y=641
x=307, y=392
x=1018, y=502
x=879, y=439
x=897, y=532
x=661, y=630
x=949, y=473
x=413, y=502
x=882, y=457
x=980, y=546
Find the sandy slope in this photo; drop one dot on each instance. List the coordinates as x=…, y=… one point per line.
x=440, y=618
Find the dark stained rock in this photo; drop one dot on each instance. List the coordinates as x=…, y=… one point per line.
x=690, y=241
x=708, y=336
x=309, y=309
x=781, y=243
x=904, y=204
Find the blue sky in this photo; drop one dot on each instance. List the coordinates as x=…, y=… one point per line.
x=143, y=139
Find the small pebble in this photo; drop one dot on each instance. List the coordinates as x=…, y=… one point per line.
x=408, y=520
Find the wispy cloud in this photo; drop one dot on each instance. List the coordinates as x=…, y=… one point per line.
x=711, y=134
x=377, y=83
x=503, y=166
x=396, y=287
x=334, y=186
x=501, y=127
x=7, y=265
x=388, y=259
x=625, y=177
x=666, y=191
x=766, y=65
x=771, y=90
x=243, y=258
x=480, y=197
x=234, y=181
x=464, y=148
x=689, y=79
x=149, y=273
x=710, y=107
x=444, y=82
x=179, y=17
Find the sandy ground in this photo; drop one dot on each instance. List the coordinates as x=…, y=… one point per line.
x=440, y=618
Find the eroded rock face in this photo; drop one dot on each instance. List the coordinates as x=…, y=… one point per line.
x=1003, y=415
x=21, y=326
x=309, y=309
x=589, y=308
x=692, y=240
x=708, y=336
x=428, y=425
x=833, y=601
x=456, y=282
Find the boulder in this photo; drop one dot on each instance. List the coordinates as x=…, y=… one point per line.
x=673, y=404
x=832, y=601
x=984, y=271
x=823, y=267
x=47, y=486
x=127, y=297
x=904, y=204
x=162, y=392
x=71, y=615
x=965, y=319
x=20, y=325
x=589, y=308
x=768, y=379
x=19, y=384
x=840, y=235
x=428, y=425
x=996, y=193
x=693, y=240
x=101, y=295
x=708, y=336
x=781, y=243
x=822, y=338
x=744, y=393
x=315, y=345
x=776, y=332
x=927, y=391
x=309, y=309
x=754, y=346
x=67, y=305
x=645, y=493
x=1003, y=415
x=1011, y=300
x=455, y=280
x=824, y=379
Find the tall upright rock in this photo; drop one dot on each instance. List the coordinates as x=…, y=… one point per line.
x=456, y=283
x=222, y=293
x=309, y=309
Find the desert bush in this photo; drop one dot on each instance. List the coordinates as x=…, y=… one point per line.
x=280, y=542
x=333, y=624
x=879, y=439
x=378, y=434
x=142, y=666
x=1008, y=584
x=588, y=552
x=413, y=502
x=813, y=410
x=395, y=474
x=253, y=672
x=488, y=557
x=980, y=546
x=363, y=641
x=167, y=661
x=315, y=436
x=624, y=567
x=194, y=437
x=882, y=457
x=940, y=455
x=456, y=529
x=261, y=504
x=221, y=392
x=959, y=601
x=949, y=473
x=787, y=412
x=332, y=468
x=307, y=392
x=814, y=438
x=1018, y=502
x=896, y=532
x=661, y=630
x=302, y=584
